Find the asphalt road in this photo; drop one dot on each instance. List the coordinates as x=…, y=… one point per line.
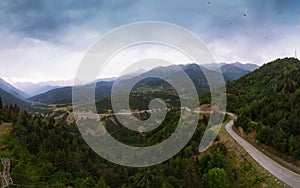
x=290, y=178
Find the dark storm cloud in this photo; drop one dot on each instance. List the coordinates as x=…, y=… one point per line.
x=53, y=33
x=46, y=17
x=42, y=17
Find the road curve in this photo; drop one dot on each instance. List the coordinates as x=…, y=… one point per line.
x=290, y=178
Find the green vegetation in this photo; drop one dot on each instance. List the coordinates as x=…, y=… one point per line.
x=267, y=101
x=216, y=177
x=46, y=153
x=8, y=98
x=140, y=100
x=47, y=150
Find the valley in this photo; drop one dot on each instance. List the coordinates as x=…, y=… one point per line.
x=52, y=129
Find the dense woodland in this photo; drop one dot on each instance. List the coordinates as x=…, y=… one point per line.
x=47, y=153
x=267, y=101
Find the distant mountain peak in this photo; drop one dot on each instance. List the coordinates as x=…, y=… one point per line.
x=238, y=63
x=247, y=66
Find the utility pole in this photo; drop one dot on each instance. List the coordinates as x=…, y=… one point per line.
x=5, y=174
x=295, y=53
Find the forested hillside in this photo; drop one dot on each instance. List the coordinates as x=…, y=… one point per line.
x=8, y=98
x=267, y=101
x=50, y=153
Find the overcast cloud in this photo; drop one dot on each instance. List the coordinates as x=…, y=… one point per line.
x=46, y=40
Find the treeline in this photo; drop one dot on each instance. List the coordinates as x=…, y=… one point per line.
x=139, y=100
x=267, y=101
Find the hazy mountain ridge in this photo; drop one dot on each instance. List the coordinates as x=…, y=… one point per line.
x=150, y=87
x=12, y=90
x=231, y=72
x=103, y=88
x=33, y=89
x=63, y=95
x=247, y=66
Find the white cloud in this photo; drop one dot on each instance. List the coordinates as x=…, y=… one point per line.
x=36, y=60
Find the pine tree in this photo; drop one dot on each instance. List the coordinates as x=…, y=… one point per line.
x=143, y=178
x=215, y=178
x=51, y=123
x=190, y=175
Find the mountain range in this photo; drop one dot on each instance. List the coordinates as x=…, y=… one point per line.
x=232, y=71
x=33, y=89
x=60, y=92
x=103, y=89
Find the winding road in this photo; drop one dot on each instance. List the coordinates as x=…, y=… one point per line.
x=290, y=178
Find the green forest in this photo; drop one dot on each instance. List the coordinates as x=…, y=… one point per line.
x=267, y=102
x=45, y=152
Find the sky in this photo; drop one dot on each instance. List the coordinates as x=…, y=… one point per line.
x=46, y=40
